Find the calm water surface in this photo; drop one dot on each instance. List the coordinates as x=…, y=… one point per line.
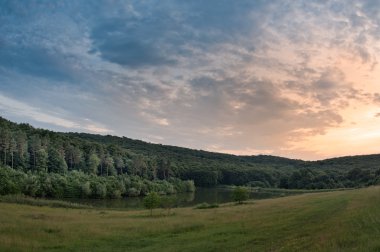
x=208, y=195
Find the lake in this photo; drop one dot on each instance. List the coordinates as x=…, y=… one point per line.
x=209, y=195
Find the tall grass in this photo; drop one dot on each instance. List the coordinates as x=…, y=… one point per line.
x=25, y=200
x=328, y=221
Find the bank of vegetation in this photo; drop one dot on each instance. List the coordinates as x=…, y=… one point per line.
x=43, y=163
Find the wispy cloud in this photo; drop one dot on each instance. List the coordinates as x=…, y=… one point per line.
x=12, y=107
x=245, y=77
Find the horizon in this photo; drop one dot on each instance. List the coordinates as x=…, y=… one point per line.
x=290, y=79
x=121, y=136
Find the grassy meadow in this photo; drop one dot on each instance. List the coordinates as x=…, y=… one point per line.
x=327, y=221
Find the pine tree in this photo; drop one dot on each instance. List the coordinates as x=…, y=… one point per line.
x=5, y=139
x=34, y=147
x=12, y=150
x=56, y=162
x=93, y=163
x=42, y=160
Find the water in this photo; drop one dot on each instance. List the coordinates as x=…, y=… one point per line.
x=209, y=195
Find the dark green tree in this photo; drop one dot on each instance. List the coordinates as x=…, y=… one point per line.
x=56, y=162
x=119, y=164
x=109, y=165
x=164, y=168
x=5, y=141
x=93, y=163
x=240, y=194
x=41, y=160
x=12, y=150
x=151, y=201
x=139, y=166
x=34, y=147
x=21, y=150
x=102, y=157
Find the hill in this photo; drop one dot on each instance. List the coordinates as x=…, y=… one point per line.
x=26, y=149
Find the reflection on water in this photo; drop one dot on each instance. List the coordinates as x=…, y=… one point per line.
x=208, y=195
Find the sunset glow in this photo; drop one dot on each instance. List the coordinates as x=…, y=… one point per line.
x=298, y=79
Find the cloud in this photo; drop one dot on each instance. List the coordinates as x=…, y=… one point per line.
x=376, y=98
x=12, y=107
x=121, y=44
x=221, y=75
x=156, y=34
x=264, y=116
x=34, y=61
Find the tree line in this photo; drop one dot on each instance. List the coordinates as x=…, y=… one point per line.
x=76, y=184
x=37, y=151
x=43, y=163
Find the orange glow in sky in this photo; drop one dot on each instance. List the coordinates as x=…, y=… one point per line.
x=292, y=78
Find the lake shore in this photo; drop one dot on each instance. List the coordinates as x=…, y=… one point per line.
x=326, y=221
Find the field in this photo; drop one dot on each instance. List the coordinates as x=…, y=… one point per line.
x=328, y=221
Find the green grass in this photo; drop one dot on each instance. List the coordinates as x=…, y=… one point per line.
x=295, y=191
x=205, y=205
x=25, y=200
x=328, y=221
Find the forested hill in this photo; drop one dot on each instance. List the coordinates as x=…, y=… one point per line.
x=28, y=149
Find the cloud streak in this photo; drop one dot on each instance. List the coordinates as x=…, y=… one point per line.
x=280, y=77
x=11, y=107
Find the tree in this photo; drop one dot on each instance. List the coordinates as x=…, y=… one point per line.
x=240, y=194
x=109, y=164
x=56, y=162
x=119, y=164
x=203, y=178
x=164, y=169
x=5, y=139
x=34, y=146
x=139, y=166
x=151, y=201
x=41, y=160
x=21, y=149
x=73, y=156
x=101, y=156
x=12, y=150
x=152, y=168
x=93, y=163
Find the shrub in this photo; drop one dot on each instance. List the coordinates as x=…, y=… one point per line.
x=133, y=192
x=205, y=205
x=151, y=201
x=240, y=194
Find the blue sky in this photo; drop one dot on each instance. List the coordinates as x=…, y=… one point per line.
x=292, y=78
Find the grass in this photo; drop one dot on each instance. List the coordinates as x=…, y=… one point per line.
x=205, y=205
x=328, y=221
x=25, y=200
x=295, y=191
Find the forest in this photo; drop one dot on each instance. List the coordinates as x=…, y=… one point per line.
x=43, y=163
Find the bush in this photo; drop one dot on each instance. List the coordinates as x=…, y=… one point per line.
x=99, y=191
x=260, y=184
x=86, y=190
x=189, y=185
x=133, y=192
x=240, y=194
x=151, y=201
x=76, y=184
x=205, y=205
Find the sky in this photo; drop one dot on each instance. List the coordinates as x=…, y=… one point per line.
x=293, y=78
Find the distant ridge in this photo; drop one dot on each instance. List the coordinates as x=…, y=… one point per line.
x=204, y=167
